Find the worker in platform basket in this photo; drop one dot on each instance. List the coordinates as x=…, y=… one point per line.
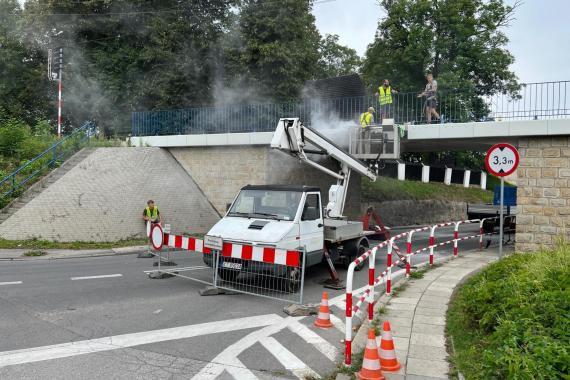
x=384, y=95
x=366, y=121
x=151, y=213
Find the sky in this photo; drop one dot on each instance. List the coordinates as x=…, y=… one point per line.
x=539, y=36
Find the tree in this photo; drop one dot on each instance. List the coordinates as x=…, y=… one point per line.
x=23, y=83
x=122, y=56
x=280, y=46
x=336, y=59
x=460, y=41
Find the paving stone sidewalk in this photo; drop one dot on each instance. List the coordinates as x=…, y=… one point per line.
x=417, y=316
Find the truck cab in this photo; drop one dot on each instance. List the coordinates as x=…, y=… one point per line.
x=281, y=216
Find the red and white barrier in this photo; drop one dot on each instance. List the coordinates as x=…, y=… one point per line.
x=269, y=255
x=368, y=294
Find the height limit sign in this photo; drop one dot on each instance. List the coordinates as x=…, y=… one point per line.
x=501, y=161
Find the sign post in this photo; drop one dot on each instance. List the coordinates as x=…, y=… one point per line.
x=502, y=160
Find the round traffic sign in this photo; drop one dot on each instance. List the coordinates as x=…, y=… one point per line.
x=156, y=237
x=502, y=160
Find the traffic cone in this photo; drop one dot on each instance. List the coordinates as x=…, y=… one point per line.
x=387, y=351
x=324, y=317
x=371, y=362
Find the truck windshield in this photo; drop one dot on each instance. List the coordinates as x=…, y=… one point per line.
x=266, y=204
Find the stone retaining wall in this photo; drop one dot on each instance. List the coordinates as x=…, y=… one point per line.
x=543, y=194
x=424, y=212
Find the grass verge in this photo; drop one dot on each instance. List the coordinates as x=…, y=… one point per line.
x=45, y=244
x=389, y=189
x=512, y=320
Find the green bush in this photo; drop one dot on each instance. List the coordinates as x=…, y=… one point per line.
x=512, y=321
x=13, y=134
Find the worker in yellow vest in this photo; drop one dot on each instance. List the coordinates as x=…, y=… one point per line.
x=366, y=122
x=384, y=95
x=151, y=214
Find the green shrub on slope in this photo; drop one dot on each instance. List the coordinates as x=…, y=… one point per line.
x=512, y=321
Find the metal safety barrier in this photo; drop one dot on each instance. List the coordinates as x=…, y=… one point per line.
x=354, y=302
x=531, y=101
x=261, y=271
x=250, y=269
x=12, y=184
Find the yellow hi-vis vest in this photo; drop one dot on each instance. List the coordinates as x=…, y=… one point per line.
x=366, y=119
x=152, y=215
x=385, y=95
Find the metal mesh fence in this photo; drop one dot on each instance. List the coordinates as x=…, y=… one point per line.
x=276, y=281
x=531, y=101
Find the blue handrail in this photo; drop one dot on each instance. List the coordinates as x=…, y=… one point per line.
x=45, y=160
x=533, y=101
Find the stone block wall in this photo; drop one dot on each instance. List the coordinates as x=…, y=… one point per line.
x=221, y=171
x=543, y=195
x=405, y=213
x=102, y=199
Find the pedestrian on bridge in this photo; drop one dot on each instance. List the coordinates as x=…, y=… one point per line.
x=384, y=95
x=366, y=122
x=430, y=93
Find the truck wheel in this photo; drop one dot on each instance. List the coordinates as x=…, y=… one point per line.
x=228, y=275
x=293, y=280
x=353, y=249
x=361, y=249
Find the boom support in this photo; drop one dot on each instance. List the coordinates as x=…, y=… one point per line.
x=292, y=136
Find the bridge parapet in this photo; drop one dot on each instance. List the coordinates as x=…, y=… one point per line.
x=534, y=101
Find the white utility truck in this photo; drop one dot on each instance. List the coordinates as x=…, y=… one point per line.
x=291, y=216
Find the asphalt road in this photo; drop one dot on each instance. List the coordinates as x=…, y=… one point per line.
x=102, y=317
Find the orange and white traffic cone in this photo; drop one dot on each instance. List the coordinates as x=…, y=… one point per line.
x=387, y=352
x=371, y=363
x=324, y=317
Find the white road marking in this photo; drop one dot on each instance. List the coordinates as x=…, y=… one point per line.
x=157, y=311
x=30, y=355
x=11, y=283
x=225, y=359
x=338, y=323
x=288, y=359
x=315, y=339
x=92, y=277
x=178, y=269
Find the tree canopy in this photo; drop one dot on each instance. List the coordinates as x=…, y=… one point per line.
x=126, y=55
x=460, y=41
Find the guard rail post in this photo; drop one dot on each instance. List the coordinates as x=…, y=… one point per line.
x=409, y=253
x=431, y=243
x=481, y=233
x=456, y=238
x=389, y=267
x=348, y=313
x=371, y=262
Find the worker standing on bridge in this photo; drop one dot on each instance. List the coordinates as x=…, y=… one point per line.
x=430, y=93
x=384, y=95
x=366, y=122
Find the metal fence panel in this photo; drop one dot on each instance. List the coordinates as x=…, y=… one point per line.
x=261, y=271
x=262, y=274
x=532, y=101
x=12, y=184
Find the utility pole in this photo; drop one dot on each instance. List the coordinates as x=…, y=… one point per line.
x=55, y=72
x=60, y=59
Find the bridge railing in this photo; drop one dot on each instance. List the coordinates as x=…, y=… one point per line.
x=546, y=100
x=533, y=101
x=12, y=184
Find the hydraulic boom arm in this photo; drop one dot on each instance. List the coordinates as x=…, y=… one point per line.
x=292, y=136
